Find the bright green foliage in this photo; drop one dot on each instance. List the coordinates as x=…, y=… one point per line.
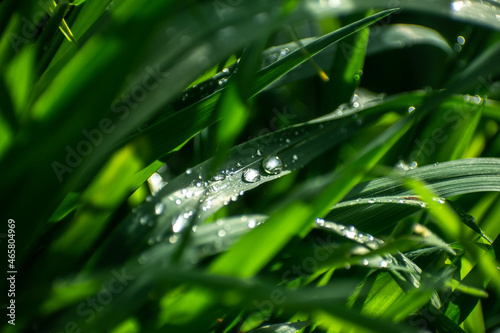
x=251, y=166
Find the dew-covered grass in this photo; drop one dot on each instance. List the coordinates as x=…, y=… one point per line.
x=250, y=166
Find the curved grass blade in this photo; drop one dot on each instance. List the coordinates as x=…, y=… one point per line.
x=282, y=328
x=477, y=12
x=387, y=198
x=272, y=72
x=397, y=36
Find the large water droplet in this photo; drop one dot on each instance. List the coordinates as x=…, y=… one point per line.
x=179, y=224
x=221, y=233
x=284, y=52
x=252, y=223
x=350, y=232
x=251, y=176
x=272, y=164
x=383, y=263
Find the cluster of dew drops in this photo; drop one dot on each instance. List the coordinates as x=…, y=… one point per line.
x=354, y=234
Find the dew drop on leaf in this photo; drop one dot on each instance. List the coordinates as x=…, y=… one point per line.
x=251, y=176
x=272, y=165
x=350, y=232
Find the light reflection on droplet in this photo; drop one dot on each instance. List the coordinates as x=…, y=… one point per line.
x=272, y=164
x=251, y=176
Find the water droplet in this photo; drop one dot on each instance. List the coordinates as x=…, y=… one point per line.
x=411, y=109
x=413, y=165
x=497, y=16
x=221, y=233
x=284, y=52
x=364, y=262
x=461, y=40
x=350, y=232
x=251, y=176
x=143, y=220
x=242, y=192
x=439, y=200
x=189, y=171
x=225, y=71
x=179, y=224
x=173, y=239
x=476, y=99
x=159, y=208
x=457, y=6
x=252, y=223
x=371, y=201
x=259, y=153
x=402, y=166
x=234, y=198
x=320, y=222
x=423, y=204
x=272, y=164
x=294, y=158
x=222, y=81
x=178, y=201
x=151, y=241
x=383, y=263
